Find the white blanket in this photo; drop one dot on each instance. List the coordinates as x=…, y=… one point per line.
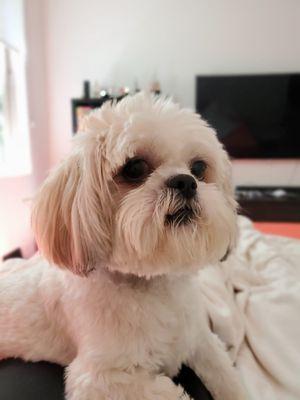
x=253, y=300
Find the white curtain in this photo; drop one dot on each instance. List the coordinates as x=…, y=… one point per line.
x=14, y=127
x=9, y=101
x=2, y=81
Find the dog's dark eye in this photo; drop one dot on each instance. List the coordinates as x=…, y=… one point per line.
x=198, y=169
x=135, y=170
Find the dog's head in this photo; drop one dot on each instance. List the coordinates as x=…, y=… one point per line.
x=146, y=190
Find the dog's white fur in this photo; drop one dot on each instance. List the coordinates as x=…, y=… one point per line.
x=125, y=310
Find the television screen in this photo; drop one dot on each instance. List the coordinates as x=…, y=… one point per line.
x=255, y=116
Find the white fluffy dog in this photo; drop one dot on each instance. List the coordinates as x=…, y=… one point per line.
x=143, y=201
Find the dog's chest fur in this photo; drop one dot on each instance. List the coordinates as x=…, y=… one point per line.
x=152, y=324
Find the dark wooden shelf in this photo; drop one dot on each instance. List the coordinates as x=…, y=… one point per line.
x=277, y=204
x=88, y=103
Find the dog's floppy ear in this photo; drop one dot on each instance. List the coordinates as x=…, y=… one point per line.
x=71, y=212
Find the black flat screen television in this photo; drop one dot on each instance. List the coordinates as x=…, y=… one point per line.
x=255, y=116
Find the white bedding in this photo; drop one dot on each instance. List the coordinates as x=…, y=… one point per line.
x=253, y=301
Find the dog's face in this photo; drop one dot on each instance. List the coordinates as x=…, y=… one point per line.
x=147, y=190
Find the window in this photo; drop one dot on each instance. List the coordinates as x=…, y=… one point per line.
x=14, y=127
x=2, y=64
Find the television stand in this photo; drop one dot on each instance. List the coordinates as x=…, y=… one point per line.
x=277, y=204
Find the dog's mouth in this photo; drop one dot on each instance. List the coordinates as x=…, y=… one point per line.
x=183, y=216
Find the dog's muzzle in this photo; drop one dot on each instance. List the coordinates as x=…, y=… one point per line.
x=182, y=216
x=184, y=189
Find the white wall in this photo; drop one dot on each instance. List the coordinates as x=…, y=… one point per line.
x=117, y=41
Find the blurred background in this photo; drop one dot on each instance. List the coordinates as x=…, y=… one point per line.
x=48, y=48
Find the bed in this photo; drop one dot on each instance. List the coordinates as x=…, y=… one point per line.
x=253, y=301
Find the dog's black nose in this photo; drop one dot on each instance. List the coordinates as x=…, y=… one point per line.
x=185, y=184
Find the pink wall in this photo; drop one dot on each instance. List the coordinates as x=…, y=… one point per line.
x=15, y=215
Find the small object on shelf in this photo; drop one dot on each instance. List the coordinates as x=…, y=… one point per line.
x=86, y=89
x=103, y=93
x=155, y=87
x=123, y=91
x=96, y=89
x=136, y=86
x=112, y=92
